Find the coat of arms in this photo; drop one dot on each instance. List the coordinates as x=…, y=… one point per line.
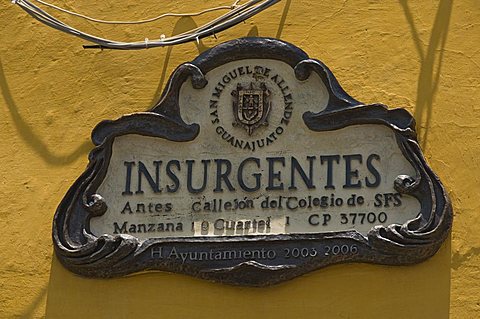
x=251, y=106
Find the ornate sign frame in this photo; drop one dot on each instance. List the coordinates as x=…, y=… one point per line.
x=85, y=254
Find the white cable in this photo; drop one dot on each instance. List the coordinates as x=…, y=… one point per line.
x=236, y=15
x=232, y=6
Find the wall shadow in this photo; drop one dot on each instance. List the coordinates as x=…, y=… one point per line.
x=33, y=308
x=281, y=25
x=185, y=24
x=430, y=64
x=342, y=291
x=35, y=142
x=30, y=137
x=182, y=25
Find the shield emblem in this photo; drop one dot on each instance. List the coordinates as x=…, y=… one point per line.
x=251, y=106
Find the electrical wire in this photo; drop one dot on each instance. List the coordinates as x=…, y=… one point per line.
x=237, y=13
x=232, y=6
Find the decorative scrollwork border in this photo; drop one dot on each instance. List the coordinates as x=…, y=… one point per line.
x=107, y=256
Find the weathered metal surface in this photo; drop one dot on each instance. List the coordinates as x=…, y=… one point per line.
x=114, y=255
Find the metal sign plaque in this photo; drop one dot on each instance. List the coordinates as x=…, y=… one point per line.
x=254, y=167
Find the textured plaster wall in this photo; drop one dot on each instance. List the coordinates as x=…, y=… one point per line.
x=420, y=55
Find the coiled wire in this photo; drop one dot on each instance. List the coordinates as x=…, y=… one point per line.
x=238, y=13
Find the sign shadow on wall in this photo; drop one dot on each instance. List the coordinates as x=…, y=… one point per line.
x=152, y=295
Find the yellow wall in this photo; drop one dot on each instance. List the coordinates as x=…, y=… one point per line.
x=421, y=55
